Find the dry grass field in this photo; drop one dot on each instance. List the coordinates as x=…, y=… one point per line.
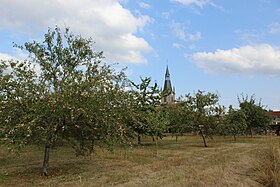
x=185, y=163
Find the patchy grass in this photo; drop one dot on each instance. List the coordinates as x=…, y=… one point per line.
x=267, y=166
x=185, y=163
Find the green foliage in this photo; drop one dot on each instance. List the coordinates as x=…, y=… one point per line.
x=256, y=116
x=147, y=96
x=145, y=119
x=180, y=119
x=235, y=122
x=205, y=112
x=62, y=92
x=157, y=121
x=18, y=95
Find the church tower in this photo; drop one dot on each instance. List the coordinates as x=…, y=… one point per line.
x=170, y=98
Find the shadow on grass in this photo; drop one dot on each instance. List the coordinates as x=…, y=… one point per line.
x=56, y=169
x=172, y=145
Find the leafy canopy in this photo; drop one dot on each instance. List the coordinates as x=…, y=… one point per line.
x=62, y=92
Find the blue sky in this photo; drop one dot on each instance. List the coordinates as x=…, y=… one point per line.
x=230, y=46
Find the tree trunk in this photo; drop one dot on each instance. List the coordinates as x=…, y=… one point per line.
x=203, y=137
x=176, y=137
x=251, y=132
x=277, y=132
x=234, y=136
x=139, y=139
x=46, y=159
x=156, y=151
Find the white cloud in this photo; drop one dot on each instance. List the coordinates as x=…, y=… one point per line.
x=199, y=3
x=179, y=30
x=216, y=6
x=165, y=15
x=110, y=25
x=5, y=57
x=192, y=47
x=19, y=56
x=257, y=59
x=250, y=36
x=177, y=45
x=274, y=28
x=144, y=5
x=194, y=37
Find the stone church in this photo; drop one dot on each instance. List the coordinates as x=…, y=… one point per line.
x=167, y=88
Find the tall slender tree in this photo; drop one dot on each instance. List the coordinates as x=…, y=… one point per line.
x=146, y=98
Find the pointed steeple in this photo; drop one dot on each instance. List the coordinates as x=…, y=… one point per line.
x=168, y=88
x=167, y=74
x=167, y=82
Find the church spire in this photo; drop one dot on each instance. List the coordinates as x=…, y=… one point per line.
x=167, y=74
x=167, y=82
x=168, y=88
